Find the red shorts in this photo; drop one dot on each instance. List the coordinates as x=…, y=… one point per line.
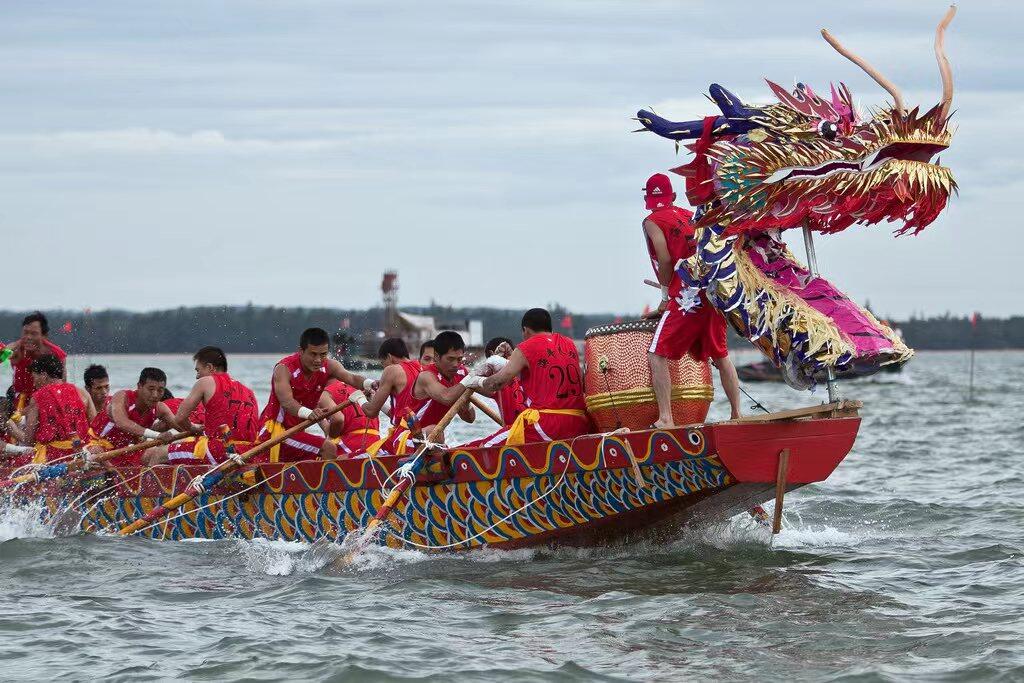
x=351, y=444
x=701, y=333
x=201, y=451
x=297, y=447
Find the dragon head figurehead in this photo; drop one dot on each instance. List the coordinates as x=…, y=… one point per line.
x=811, y=161
x=815, y=159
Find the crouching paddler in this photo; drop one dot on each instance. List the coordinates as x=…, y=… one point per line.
x=226, y=402
x=57, y=416
x=298, y=383
x=548, y=367
x=350, y=429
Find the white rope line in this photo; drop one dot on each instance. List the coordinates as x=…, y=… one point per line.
x=561, y=478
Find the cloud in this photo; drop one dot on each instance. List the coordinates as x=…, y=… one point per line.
x=153, y=141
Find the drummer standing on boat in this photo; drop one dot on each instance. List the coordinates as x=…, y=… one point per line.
x=688, y=322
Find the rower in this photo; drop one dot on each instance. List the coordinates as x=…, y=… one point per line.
x=548, y=367
x=438, y=386
x=58, y=414
x=297, y=384
x=428, y=355
x=197, y=418
x=131, y=417
x=350, y=429
x=394, y=394
x=510, y=398
x=33, y=344
x=97, y=383
x=224, y=401
x=689, y=323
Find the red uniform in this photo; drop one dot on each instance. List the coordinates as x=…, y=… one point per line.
x=359, y=431
x=511, y=401
x=306, y=389
x=554, y=408
x=427, y=411
x=198, y=415
x=110, y=436
x=699, y=331
x=232, y=404
x=22, y=383
x=62, y=419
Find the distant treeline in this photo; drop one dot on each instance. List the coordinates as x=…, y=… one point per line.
x=271, y=329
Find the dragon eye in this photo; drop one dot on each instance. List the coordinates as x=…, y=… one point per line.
x=828, y=130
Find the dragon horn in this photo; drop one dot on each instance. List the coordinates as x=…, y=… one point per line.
x=940, y=56
x=868, y=69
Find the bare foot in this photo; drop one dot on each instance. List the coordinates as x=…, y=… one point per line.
x=663, y=424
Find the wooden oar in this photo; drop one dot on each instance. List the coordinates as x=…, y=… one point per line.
x=218, y=472
x=61, y=469
x=408, y=478
x=487, y=410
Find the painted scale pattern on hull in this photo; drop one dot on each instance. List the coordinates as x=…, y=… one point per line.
x=460, y=515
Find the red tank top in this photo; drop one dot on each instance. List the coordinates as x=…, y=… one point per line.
x=198, y=416
x=306, y=388
x=676, y=224
x=23, y=378
x=62, y=414
x=511, y=401
x=429, y=412
x=403, y=401
x=355, y=420
x=552, y=378
x=105, y=427
x=233, y=404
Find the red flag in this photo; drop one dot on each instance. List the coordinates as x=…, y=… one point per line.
x=567, y=322
x=66, y=327
x=974, y=319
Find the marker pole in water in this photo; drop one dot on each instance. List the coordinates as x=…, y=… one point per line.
x=812, y=267
x=974, y=336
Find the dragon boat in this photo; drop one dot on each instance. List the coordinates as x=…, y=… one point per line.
x=804, y=161
x=595, y=489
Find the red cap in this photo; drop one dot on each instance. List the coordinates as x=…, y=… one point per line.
x=658, y=193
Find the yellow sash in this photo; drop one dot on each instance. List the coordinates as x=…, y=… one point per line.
x=531, y=416
x=400, y=446
x=274, y=429
x=40, y=456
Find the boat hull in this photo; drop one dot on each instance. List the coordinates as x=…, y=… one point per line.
x=593, y=490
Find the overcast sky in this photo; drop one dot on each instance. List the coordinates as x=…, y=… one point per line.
x=154, y=154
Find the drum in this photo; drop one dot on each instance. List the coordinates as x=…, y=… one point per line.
x=617, y=379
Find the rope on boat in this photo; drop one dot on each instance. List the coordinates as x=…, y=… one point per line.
x=561, y=478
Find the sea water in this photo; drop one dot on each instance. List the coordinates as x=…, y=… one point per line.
x=906, y=563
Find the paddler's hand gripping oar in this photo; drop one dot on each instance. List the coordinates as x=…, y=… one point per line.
x=214, y=475
x=408, y=475
x=85, y=460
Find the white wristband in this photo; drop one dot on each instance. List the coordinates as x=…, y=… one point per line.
x=358, y=398
x=151, y=434
x=305, y=412
x=368, y=384
x=17, y=450
x=664, y=293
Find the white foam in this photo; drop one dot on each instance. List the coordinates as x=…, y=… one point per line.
x=23, y=521
x=283, y=558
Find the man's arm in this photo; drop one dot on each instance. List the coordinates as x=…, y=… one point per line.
x=391, y=382
x=338, y=371
x=516, y=364
x=90, y=407
x=665, y=273
x=28, y=435
x=119, y=414
x=201, y=391
x=428, y=385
